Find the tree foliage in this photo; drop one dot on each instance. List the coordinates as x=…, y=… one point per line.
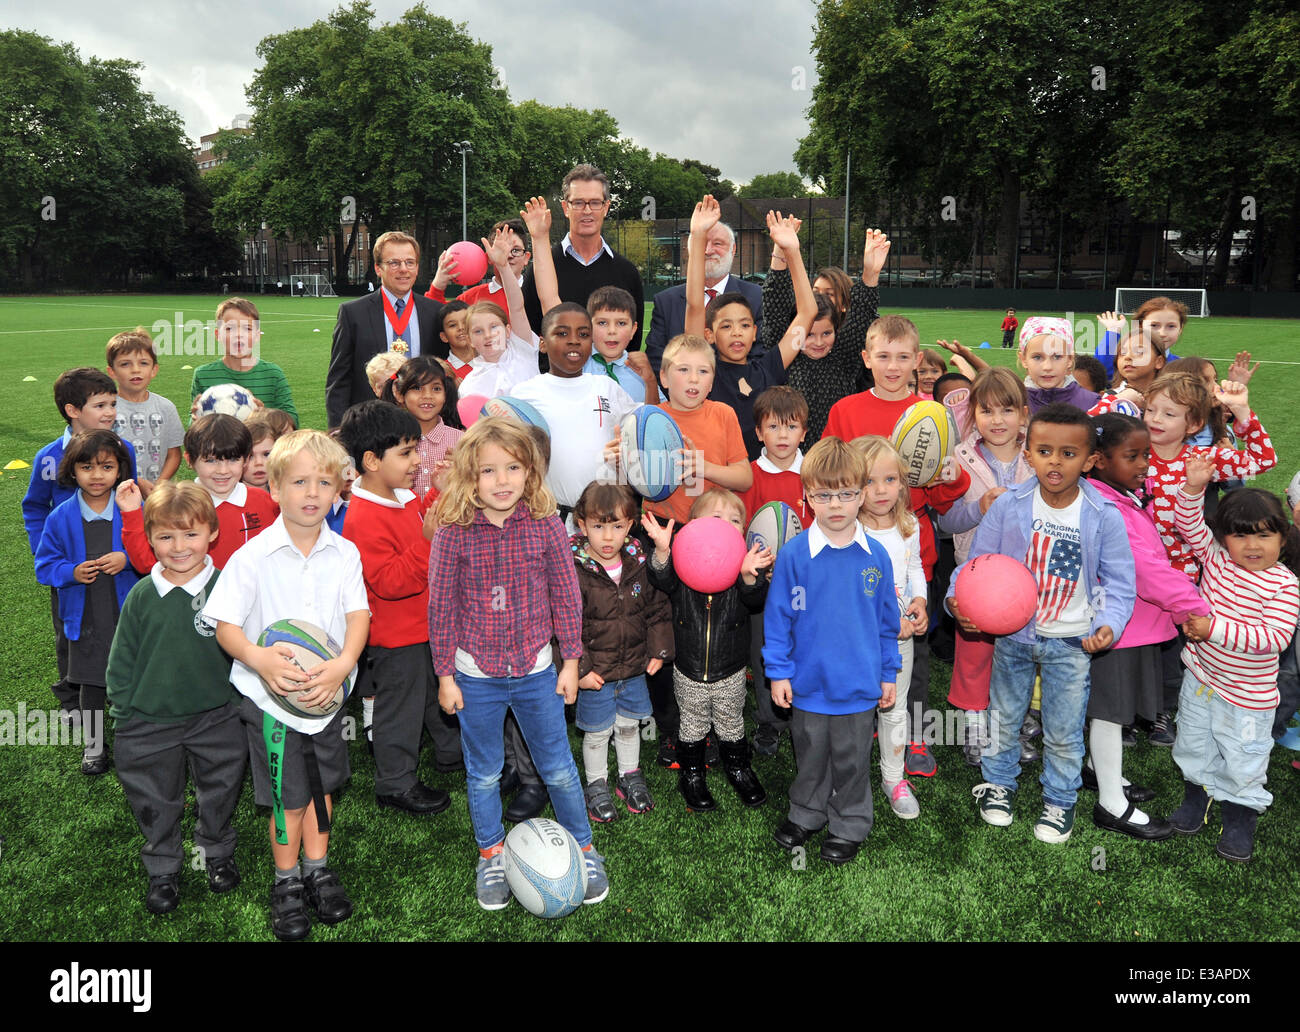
x=775, y=184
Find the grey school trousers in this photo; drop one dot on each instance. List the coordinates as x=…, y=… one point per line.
x=406, y=703
x=833, y=783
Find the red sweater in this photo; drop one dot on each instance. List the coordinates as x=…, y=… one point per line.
x=480, y=292
x=395, y=565
x=238, y=524
x=782, y=486
x=862, y=414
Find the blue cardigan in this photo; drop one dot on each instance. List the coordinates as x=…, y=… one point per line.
x=44, y=494
x=61, y=550
x=1108, y=572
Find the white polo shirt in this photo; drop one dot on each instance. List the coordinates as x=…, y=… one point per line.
x=268, y=579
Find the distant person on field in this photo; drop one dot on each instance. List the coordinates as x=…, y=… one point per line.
x=1009, y=325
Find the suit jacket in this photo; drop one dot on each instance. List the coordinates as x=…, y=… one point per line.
x=358, y=337
x=669, y=317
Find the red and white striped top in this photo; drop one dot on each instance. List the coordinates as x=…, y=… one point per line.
x=1253, y=615
x=1165, y=476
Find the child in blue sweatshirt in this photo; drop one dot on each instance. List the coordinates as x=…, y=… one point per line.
x=831, y=628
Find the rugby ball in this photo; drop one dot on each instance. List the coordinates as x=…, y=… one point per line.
x=544, y=868
x=649, y=440
x=519, y=411
x=310, y=645
x=1293, y=492
x=772, y=526
x=925, y=435
x=227, y=399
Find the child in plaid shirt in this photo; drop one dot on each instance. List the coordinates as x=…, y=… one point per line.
x=501, y=584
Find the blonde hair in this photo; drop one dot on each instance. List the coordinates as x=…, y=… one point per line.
x=485, y=308
x=393, y=236
x=687, y=342
x=181, y=504
x=873, y=449
x=715, y=495
x=830, y=463
x=1188, y=390
x=893, y=327
x=382, y=368
x=326, y=451
x=459, y=503
x=998, y=385
x=239, y=304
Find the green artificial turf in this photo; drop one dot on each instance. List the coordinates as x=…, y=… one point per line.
x=69, y=859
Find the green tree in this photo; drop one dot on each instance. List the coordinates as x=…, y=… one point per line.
x=775, y=184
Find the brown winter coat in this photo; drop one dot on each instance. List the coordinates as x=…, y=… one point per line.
x=624, y=625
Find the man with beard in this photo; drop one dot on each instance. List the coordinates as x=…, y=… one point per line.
x=669, y=318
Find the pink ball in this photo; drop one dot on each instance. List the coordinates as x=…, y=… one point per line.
x=997, y=593
x=471, y=263
x=708, y=553
x=469, y=408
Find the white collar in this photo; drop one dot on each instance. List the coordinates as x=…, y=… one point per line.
x=238, y=497
x=456, y=363
x=403, y=496
x=494, y=285
x=721, y=286
x=817, y=539
x=277, y=538
x=768, y=466
x=566, y=247
x=192, y=587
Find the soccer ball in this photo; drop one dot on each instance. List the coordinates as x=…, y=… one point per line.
x=227, y=399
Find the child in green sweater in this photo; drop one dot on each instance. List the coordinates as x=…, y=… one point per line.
x=239, y=333
x=169, y=692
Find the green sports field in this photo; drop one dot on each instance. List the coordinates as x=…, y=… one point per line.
x=69, y=847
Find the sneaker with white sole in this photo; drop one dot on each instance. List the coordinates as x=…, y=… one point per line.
x=1055, y=824
x=597, y=879
x=902, y=800
x=995, y=803
x=490, y=884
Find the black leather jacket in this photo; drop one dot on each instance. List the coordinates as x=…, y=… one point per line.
x=711, y=631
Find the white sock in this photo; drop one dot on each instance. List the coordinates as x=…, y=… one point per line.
x=1106, y=742
x=595, y=755
x=368, y=716
x=627, y=743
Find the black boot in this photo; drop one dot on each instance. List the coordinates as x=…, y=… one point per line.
x=1237, y=842
x=735, y=761
x=690, y=776
x=1190, y=818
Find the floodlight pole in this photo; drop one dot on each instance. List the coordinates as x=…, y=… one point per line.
x=848, y=167
x=465, y=150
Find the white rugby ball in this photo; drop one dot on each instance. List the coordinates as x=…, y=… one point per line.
x=925, y=436
x=544, y=868
x=773, y=525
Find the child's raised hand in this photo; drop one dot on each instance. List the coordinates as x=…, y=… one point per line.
x=782, y=233
x=498, y=251
x=1200, y=471
x=1235, y=398
x=593, y=682
x=875, y=252
x=446, y=270
x=537, y=217
x=688, y=464
x=1133, y=396
x=449, y=696
x=1112, y=322
x=756, y=560
x=128, y=496
x=85, y=573
x=707, y=214
x=1241, y=370
x=112, y=563
x=1103, y=639
x=950, y=470
x=439, y=476
x=661, y=536
x=638, y=362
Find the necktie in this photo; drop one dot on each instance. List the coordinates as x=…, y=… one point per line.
x=607, y=365
x=709, y=294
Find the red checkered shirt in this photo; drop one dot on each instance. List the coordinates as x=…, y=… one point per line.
x=433, y=448
x=502, y=593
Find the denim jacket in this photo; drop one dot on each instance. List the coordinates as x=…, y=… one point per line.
x=1108, y=571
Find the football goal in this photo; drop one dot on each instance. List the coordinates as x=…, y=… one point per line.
x=311, y=285
x=1129, y=299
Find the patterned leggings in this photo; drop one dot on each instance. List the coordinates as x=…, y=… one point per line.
x=720, y=704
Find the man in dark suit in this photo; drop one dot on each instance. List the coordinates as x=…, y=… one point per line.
x=669, y=317
x=370, y=325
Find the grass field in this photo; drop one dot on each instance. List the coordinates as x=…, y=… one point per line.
x=69, y=847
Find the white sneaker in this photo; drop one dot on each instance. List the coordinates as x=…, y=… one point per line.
x=902, y=800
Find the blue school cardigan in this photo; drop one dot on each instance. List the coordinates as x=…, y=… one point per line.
x=62, y=549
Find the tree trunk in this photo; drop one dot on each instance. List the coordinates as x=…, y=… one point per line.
x=1132, y=251
x=1282, y=265
x=1008, y=238
x=1223, y=245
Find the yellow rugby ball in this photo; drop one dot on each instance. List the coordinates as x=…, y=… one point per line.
x=925, y=436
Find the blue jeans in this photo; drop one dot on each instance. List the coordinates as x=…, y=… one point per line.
x=1222, y=746
x=540, y=713
x=1065, y=670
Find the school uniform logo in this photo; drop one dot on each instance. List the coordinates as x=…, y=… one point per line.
x=870, y=581
x=602, y=409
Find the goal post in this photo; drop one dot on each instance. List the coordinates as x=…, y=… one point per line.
x=311, y=284
x=1129, y=299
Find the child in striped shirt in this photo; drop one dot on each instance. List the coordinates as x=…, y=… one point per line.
x=1229, y=692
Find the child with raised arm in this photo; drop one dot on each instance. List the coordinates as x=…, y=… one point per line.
x=1229, y=693
x=298, y=569
x=504, y=356
x=832, y=652
x=727, y=322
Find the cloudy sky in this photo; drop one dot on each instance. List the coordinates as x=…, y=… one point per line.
x=713, y=81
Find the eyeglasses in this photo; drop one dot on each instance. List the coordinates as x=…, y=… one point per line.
x=824, y=497
x=402, y=263
x=586, y=205
x=518, y=252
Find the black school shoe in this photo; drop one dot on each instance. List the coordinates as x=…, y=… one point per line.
x=1155, y=830
x=289, y=920
x=528, y=803
x=839, y=851
x=164, y=894
x=1237, y=841
x=790, y=836
x=223, y=875
x=1133, y=793
x=326, y=896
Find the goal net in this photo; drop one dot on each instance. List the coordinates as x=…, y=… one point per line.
x=1129, y=299
x=311, y=285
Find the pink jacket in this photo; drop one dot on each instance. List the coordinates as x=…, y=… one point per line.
x=1165, y=596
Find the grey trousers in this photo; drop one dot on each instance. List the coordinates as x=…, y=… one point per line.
x=406, y=703
x=833, y=783
x=150, y=764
